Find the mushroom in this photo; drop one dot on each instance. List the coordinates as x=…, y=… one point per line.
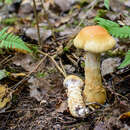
x=94, y=40
x=74, y=87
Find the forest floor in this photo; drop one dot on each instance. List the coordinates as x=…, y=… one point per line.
x=39, y=99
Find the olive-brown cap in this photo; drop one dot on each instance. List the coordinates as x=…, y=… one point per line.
x=95, y=39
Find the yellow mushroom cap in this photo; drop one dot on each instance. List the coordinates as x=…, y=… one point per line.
x=94, y=39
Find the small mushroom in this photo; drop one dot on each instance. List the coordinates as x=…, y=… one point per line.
x=74, y=92
x=94, y=40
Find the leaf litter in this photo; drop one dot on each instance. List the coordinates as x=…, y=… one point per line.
x=40, y=101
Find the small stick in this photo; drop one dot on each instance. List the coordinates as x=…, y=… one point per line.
x=14, y=87
x=62, y=66
x=34, y=109
x=37, y=23
x=72, y=60
x=63, y=73
x=53, y=60
x=5, y=59
x=46, y=16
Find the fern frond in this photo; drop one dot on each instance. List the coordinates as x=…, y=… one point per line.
x=106, y=23
x=106, y=4
x=114, y=28
x=121, y=32
x=126, y=60
x=117, y=31
x=9, y=40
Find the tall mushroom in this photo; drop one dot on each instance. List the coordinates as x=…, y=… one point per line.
x=74, y=92
x=94, y=40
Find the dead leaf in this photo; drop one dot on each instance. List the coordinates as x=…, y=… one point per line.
x=38, y=88
x=125, y=115
x=116, y=5
x=100, y=126
x=5, y=96
x=67, y=31
x=47, y=4
x=18, y=75
x=109, y=65
x=64, y=5
x=62, y=107
x=35, y=93
x=26, y=7
x=62, y=20
x=32, y=33
x=13, y=30
x=26, y=61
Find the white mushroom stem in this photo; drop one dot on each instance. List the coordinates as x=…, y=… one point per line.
x=93, y=91
x=75, y=100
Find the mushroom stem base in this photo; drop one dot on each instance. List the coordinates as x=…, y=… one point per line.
x=93, y=91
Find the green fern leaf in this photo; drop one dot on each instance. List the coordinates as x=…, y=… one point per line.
x=106, y=4
x=9, y=40
x=121, y=32
x=106, y=23
x=114, y=28
x=126, y=61
x=117, y=31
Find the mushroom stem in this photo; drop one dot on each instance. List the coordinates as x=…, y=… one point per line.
x=93, y=91
x=74, y=92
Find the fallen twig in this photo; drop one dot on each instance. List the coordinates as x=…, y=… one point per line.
x=53, y=60
x=26, y=77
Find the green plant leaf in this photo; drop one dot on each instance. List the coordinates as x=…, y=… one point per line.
x=126, y=60
x=106, y=23
x=7, y=1
x=3, y=74
x=106, y=4
x=9, y=21
x=9, y=40
x=113, y=28
x=41, y=75
x=121, y=32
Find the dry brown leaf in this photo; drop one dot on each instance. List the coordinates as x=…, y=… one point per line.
x=64, y=5
x=62, y=20
x=62, y=107
x=38, y=88
x=125, y=115
x=26, y=61
x=18, y=75
x=50, y=1
x=5, y=96
x=32, y=33
x=13, y=30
